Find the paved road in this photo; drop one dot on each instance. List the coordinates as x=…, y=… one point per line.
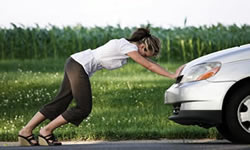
x=138, y=145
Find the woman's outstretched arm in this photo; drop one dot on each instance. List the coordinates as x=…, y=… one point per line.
x=154, y=67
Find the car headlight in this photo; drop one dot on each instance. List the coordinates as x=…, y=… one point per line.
x=201, y=72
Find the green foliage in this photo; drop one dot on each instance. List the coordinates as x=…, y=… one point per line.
x=178, y=44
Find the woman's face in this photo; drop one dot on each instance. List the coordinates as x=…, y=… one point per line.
x=143, y=51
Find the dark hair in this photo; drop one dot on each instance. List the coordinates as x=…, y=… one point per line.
x=139, y=34
x=142, y=35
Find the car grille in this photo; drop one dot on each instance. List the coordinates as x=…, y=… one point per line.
x=176, y=109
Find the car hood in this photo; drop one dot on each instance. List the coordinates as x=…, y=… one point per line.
x=224, y=56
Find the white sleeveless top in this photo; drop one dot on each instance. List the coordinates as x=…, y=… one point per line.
x=111, y=55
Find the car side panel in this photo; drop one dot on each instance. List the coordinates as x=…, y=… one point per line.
x=233, y=71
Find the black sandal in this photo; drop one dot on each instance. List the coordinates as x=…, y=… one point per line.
x=49, y=140
x=26, y=140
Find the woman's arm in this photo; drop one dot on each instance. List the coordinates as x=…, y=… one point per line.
x=153, y=66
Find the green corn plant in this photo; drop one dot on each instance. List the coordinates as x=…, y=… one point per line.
x=182, y=42
x=53, y=43
x=2, y=43
x=178, y=44
x=34, y=46
x=198, y=47
x=191, y=48
x=168, y=48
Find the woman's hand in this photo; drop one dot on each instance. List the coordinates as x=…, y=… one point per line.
x=178, y=71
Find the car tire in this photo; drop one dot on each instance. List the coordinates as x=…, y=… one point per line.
x=225, y=133
x=236, y=122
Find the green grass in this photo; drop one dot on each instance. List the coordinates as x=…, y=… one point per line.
x=127, y=102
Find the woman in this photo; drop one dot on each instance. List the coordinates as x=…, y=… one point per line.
x=78, y=68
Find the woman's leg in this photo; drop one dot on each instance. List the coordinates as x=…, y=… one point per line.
x=51, y=110
x=48, y=129
x=81, y=90
x=35, y=121
x=60, y=102
x=80, y=87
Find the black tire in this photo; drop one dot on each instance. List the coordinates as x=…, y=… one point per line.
x=225, y=133
x=232, y=128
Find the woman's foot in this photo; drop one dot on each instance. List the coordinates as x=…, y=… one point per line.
x=48, y=140
x=46, y=137
x=26, y=134
x=27, y=140
x=45, y=131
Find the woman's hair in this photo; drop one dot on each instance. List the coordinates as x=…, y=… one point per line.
x=142, y=35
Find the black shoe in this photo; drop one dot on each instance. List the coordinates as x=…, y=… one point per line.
x=26, y=140
x=49, y=140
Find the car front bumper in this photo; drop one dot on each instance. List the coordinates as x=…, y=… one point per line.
x=197, y=102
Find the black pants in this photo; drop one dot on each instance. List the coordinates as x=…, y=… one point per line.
x=75, y=85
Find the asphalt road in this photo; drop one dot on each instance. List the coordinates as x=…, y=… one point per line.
x=139, y=145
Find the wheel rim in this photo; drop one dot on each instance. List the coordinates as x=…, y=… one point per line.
x=244, y=114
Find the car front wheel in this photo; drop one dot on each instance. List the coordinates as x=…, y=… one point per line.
x=236, y=117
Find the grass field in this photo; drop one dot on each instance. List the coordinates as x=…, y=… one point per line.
x=127, y=102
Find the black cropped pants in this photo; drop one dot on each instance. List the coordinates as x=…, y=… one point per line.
x=75, y=85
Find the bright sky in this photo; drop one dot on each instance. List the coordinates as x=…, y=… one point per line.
x=165, y=13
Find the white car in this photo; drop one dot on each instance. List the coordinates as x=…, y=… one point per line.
x=214, y=91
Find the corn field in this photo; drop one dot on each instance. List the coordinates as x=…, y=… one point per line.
x=178, y=44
